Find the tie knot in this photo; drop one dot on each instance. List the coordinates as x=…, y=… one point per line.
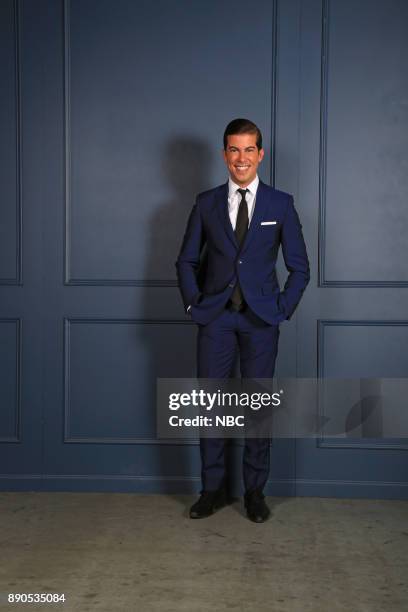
x=243, y=193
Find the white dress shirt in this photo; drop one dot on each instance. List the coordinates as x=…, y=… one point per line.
x=234, y=199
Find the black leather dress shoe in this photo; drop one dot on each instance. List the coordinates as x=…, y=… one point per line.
x=209, y=502
x=256, y=508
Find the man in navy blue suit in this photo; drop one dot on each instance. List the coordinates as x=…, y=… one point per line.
x=239, y=305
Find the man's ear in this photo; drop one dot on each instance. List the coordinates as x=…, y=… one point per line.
x=261, y=154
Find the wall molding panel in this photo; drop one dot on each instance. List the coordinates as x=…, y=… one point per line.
x=323, y=280
x=17, y=279
x=322, y=442
x=16, y=436
x=69, y=278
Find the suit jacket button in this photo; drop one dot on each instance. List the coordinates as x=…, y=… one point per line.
x=231, y=285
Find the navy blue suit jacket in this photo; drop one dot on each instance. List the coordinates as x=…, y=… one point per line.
x=253, y=264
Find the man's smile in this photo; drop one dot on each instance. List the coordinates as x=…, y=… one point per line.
x=242, y=167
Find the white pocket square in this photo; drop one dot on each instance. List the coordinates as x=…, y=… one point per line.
x=268, y=222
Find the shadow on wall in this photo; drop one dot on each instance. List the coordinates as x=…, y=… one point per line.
x=170, y=348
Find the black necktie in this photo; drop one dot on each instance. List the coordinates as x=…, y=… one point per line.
x=241, y=229
x=242, y=218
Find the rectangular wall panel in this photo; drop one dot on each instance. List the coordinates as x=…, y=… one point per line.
x=149, y=89
x=10, y=380
x=364, y=169
x=368, y=351
x=111, y=367
x=10, y=153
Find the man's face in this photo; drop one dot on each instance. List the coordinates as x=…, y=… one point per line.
x=242, y=158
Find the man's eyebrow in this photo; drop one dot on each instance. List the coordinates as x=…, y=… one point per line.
x=246, y=148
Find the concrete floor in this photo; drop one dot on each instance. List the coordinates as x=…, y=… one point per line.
x=129, y=552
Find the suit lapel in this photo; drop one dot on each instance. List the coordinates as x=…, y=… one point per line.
x=223, y=212
x=259, y=213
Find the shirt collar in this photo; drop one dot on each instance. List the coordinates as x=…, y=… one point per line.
x=252, y=187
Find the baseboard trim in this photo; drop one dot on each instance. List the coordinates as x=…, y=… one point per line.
x=118, y=483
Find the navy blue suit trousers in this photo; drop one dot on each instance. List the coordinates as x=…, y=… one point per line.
x=229, y=336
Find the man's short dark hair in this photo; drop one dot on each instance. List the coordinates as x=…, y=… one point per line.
x=242, y=126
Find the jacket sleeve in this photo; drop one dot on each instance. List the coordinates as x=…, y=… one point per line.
x=296, y=261
x=188, y=260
